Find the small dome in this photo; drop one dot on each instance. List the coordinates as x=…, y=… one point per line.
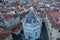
x=31, y=8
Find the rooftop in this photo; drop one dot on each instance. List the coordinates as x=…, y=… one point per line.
x=32, y=18
x=54, y=17
x=17, y=29
x=4, y=34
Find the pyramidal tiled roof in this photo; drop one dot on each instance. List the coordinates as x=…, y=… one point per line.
x=32, y=18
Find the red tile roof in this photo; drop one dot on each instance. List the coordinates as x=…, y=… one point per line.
x=53, y=16
x=17, y=29
x=16, y=15
x=4, y=34
x=7, y=17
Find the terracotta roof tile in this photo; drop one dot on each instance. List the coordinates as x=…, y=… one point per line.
x=3, y=34
x=16, y=30
x=53, y=16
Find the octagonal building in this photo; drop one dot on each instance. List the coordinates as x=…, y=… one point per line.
x=32, y=24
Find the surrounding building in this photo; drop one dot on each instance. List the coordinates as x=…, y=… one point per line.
x=9, y=17
x=11, y=20
x=17, y=32
x=1, y=20
x=53, y=24
x=10, y=0
x=5, y=34
x=9, y=37
x=13, y=12
x=32, y=25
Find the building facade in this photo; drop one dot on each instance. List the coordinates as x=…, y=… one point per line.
x=53, y=25
x=11, y=21
x=9, y=37
x=32, y=25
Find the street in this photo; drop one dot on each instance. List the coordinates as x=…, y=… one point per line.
x=44, y=35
